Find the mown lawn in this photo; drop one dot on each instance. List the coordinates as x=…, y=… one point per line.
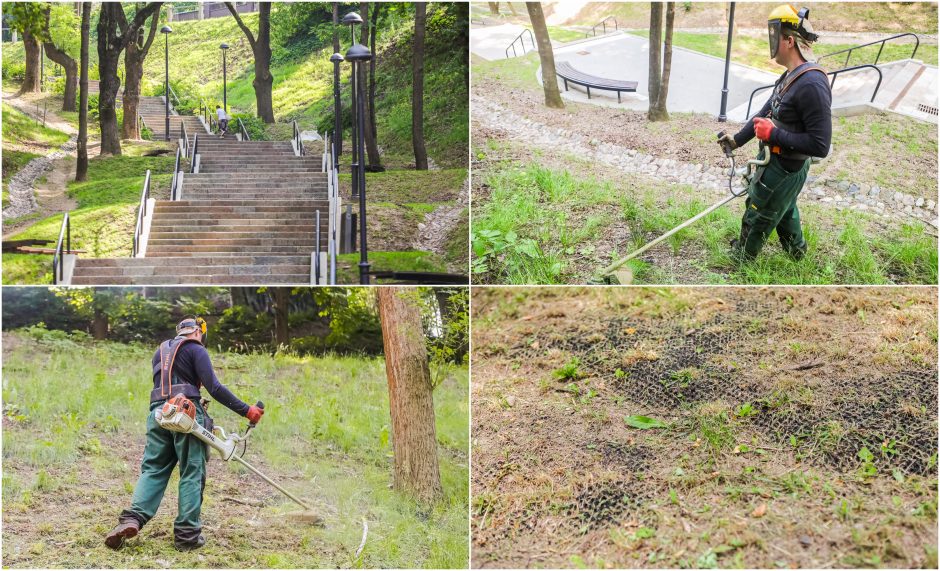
x=324, y=436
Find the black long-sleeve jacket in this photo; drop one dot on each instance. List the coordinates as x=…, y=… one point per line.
x=806, y=107
x=193, y=366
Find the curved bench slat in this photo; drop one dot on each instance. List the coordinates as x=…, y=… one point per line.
x=568, y=73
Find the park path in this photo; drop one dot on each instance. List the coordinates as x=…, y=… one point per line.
x=438, y=224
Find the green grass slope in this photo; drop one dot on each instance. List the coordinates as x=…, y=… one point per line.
x=103, y=222
x=325, y=437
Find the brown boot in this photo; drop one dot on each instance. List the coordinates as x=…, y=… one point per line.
x=124, y=530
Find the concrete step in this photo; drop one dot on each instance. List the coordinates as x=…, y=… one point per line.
x=222, y=279
x=192, y=261
x=193, y=228
x=239, y=269
x=262, y=210
x=159, y=250
x=235, y=241
x=187, y=235
x=293, y=204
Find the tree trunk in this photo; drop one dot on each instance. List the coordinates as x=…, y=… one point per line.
x=99, y=324
x=417, y=88
x=31, y=82
x=374, y=163
x=494, y=8
x=81, y=168
x=660, y=60
x=67, y=63
x=133, y=73
x=261, y=48
x=512, y=9
x=338, y=136
x=546, y=55
x=414, y=439
x=281, y=313
x=656, y=43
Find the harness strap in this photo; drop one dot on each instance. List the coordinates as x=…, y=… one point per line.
x=168, y=351
x=798, y=73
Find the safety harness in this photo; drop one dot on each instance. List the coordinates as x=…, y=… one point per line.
x=169, y=383
x=780, y=89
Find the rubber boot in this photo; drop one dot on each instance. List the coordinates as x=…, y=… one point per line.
x=125, y=529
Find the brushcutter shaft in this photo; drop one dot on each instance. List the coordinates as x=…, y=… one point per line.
x=272, y=482
x=613, y=267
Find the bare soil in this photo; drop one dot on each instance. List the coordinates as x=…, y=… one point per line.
x=771, y=398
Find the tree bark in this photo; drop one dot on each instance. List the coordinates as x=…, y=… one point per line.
x=81, y=167
x=261, y=48
x=414, y=438
x=31, y=82
x=114, y=34
x=494, y=8
x=660, y=60
x=99, y=324
x=133, y=73
x=374, y=163
x=417, y=88
x=546, y=55
x=68, y=64
x=281, y=313
x=338, y=136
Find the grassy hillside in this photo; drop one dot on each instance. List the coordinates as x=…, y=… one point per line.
x=325, y=437
x=24, y=139
x=103, y=222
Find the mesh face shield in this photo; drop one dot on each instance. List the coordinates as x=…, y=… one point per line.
x=774, y=33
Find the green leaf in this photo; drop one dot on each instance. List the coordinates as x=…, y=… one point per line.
x=644, y=422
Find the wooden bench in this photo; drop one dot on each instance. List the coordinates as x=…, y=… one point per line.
x=568, y=73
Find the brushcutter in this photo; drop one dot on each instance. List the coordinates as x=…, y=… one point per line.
x=616, y=272
x=178, y=414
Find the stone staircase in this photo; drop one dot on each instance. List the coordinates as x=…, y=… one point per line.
x=246, y=216
x=153, y=112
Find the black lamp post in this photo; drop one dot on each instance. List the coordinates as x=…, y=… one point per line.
x=353, y=19
x=357, y=55
x=166, y=31
x=337, y=110
x=224, y=48
x=723, y=112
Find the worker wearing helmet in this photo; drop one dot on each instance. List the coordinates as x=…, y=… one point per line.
x=180, y=367
x=794, y=125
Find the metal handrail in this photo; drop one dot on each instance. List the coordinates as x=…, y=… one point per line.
x=880, y=49
x=142, y=213
x=244, y=131
x=521, y=41
x=193, y=158
x=833, y=74
x=296, y=137
x=316, y=265
x=176, y=171
x=58, y=262
x=185, y=137
x=604, y=24
x=173, y=93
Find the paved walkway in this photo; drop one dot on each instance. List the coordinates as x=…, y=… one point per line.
x=694, y=84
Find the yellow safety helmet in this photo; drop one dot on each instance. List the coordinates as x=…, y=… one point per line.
x=787, y=20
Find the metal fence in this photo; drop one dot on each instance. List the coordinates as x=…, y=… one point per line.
x=213, y=10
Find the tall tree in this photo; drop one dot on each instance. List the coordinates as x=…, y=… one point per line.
x=374, y=163
x=261, y=48
x=133, y=73
x=546, y=55
x=281, y=315
x=29, y=19
x=81, y=169
x=59, y=50
x=114, y=35
x=417, y=88
x=338, y=137
x=660, y=60
x=494, y=8
x=414, y=439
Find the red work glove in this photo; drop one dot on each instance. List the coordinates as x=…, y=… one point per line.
x=254, y=414
x=763, y=128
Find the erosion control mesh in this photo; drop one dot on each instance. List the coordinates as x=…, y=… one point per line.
x=827, y=419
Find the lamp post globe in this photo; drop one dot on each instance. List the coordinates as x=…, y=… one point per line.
x=224, y=48
x=166, y=31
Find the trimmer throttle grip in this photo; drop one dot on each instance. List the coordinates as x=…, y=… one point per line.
x=260, y=405
x=724, y=146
